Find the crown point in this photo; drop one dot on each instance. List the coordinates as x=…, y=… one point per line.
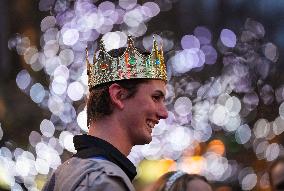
x=133, y=64
x=102, y=45
x=102, y=51
x=129, y=38
x=130, y=43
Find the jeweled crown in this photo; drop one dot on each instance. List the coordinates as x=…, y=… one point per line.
x=130, y=65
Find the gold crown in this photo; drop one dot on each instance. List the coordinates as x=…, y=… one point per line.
x=131, y=65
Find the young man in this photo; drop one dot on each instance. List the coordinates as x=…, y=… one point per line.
x=126, y=101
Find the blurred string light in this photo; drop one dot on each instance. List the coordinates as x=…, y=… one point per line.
x=243, y=134
x=37, y=93
x=23, y=79
x=211, y=106
x=198, y=109
x=1, y=132
x=197, y=51
x=228, y=38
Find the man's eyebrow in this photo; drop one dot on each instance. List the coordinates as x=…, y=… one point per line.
x=160, y=92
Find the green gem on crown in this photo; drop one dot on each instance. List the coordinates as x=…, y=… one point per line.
x=132, y=60
x=148, y=62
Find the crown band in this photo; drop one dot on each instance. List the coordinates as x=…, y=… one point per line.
x=131, y=65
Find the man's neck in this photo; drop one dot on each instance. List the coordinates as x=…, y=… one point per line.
x=111, y=131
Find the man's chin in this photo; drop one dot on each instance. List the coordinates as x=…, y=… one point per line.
x=145, y=141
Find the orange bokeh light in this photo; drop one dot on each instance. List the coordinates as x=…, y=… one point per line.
x=216, y=146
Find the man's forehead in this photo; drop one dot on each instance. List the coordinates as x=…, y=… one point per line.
x=158, y=86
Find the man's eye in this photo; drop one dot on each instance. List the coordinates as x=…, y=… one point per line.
x=156, y=98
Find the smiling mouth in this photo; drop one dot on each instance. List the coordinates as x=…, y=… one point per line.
x=151, y=124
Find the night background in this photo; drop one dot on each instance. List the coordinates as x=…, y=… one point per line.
x=225, y=92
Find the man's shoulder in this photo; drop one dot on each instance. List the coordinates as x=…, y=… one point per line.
x=105, y=180
x=96, y=164
x=94, y=172
x=111, y=170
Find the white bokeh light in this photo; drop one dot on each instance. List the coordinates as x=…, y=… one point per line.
x=114, y=40
x=183, y=106
x=70, y=36
x=59, y=85
x=75, y=91
x=261, y=128
x=243, y=134
x=249, y=182
x=281, y=110
x=23, y=79
x=47, y=128
x=82, y=120
x=190, y=41
x=41, y=166
x=228, y=38
x=278, y=125
x=219, y=115
x=233, y=105
x=133, y=18
x=37, y=93
x=127, y=4
x=180, y=137
x=272, y=152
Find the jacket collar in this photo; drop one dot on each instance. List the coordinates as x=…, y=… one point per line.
x=89, y=146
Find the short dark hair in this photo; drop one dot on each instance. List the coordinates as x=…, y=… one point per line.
x=180, y=184
x=99, y=103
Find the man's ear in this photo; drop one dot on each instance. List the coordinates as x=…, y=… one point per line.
x=117, y=95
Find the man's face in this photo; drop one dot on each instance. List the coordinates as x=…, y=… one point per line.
x=144, y=110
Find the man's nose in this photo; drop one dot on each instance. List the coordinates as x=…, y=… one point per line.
x=163, y=112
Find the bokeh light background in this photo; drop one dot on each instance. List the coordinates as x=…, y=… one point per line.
x=225, y=92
